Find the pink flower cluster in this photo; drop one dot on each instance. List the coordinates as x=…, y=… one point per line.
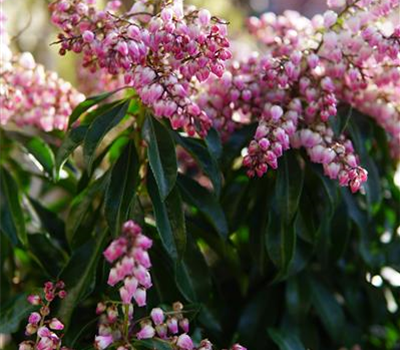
x=131, y=263
x=30, y=95
x=117, y=326
x=306, y=69
x=39, y=323
x=157, y=50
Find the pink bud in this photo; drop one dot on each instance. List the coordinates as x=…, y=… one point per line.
x=140, y=297
x=100, y=308
x=184, y=324
x=56, y=324
x=276, y=112
x=185, y=342
x=34, y=299
x=126, y=297
x=146, y=332
x=330, y=18
x=157, y=316
x=172, y=324
x=204, y=17
x=103, y=341
x=88, y=36
x=34, y=318
x=313, y=60
x=44, y=332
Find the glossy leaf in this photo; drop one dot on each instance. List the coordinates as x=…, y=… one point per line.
x=169, y=218
x=71, y=141
x=81, y=207
x=121, y=188
x=204, y=158
x=79, y=272
x=329, y=310
x=202, y=199
x=87, y=104
x=99, y=128
x=152, y=344
x=161, y=154
x=285, y=340
x=12, y=221
x=14, y=312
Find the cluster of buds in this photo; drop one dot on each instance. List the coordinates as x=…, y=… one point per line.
x=131, y=262
x=117, y=326
x=157, y=49
x=30, y=95
x=40, y=324
x=169, y=326
x=306, y=68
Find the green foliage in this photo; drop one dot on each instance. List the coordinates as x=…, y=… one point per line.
x=282, y=262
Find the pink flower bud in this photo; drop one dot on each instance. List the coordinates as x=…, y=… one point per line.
x=146, y=332
x=103, y=341
x=172, y=324
x=336, y=3
x=276, y=112
x=157, y=316
x=313, y=60
x=88, y=36
x=185, y=342
x=100, y=308
x=140, y=297
x=34, y=318
x=204, y=17
x=330, y=18
x=56, y=324
x=44, y=332
x=34, y=299
x=126, y=297
x=184, y=324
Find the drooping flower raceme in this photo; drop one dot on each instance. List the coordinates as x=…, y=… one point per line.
x=164, y=53
x=40, y=325
x=117, y=326
x=30, y=95
x=307, y=67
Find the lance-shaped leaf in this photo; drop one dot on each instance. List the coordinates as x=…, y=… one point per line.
x=162, y=156
x=202, y=199
x=14, y=312
x=71, y=141
x=204, y=158
x=79, y=273
x=121, y=187
x=99, y=127
x=81, y=208
x=285, y=340
x=170, y=219
x=88, y=103
x=12, y=221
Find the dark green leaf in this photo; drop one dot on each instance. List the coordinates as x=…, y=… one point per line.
x=88, y=103
x=162, y=156
x=213, y=142
x=99, y=128
x=12, y=221
x=50, y=222
x=280, y=243
x=41, y=151
x=329, y=310
x=81, y=207
x=79, y=272
x=47, y=254
x=192, y=274
x=203, y=200
x=71, y=141
x=152, y=344
x=169, y=218
x=289, y=186
x=14, y=312
x=121, y=188
x=285, y=340
x=204, y=158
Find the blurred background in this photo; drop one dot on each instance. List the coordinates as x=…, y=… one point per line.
x=30, y=29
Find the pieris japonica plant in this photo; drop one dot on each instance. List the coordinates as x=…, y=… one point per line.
x=189, y=195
